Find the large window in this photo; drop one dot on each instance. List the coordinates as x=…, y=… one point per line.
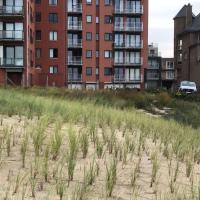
x=13, y=55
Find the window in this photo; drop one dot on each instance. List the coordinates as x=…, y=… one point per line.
x=97, y=36
x=108, y=2
x=170, y=65
x=108, y=54
x=89, y=54
x=53, y=69
x=180, y=58
x=53, y=53
x=88, y=36
x=89, y=71
x=107, y=71
x=53, y=35
x=53, y=18
x=53, y=2
x=38, y=35
x=97, y=20
x=108, y=36
x=97, y=2
x=108, y=19
x=180, y=44
x=97, y=54
x=38, y=53
x=89, y=19
x=97, y=71
x=38, y=17
x=89, y=1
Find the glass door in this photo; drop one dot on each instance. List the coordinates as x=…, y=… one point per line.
x=10, y=55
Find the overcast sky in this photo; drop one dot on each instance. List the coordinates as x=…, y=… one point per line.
x=161, y=14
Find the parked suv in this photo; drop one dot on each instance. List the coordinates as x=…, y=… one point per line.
x=188, y=87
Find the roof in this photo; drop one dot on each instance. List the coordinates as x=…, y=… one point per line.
x=183, y=12
x=195, y=25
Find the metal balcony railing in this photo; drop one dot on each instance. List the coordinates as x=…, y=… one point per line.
x=127, y=80
x=11, y=10
x=137, y=27
x=154, y=66
x=153, y=76
x=74, y=77
x=11, y=62
x=75, y=60
x=129, y=45
x=11, y=35
x=74, y=26
x=76, y=8
x=119, y=27
x=74, y=43
x=130, y=10
x=134, y=10
x=129, y=61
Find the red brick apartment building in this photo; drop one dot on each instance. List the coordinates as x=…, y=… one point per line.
x=74, y=43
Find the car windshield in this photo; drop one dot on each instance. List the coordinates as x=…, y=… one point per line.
x=191, y=84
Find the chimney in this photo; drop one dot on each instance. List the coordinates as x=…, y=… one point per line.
x=188, y=15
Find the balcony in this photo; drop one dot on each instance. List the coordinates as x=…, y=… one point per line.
x=130, y=10
x=75, y=9
x=122, y=79
x=74, y=77
x=75, y=60
x=153, y=76
x=154, y=66
x=135, y=10
x=72, y=43
x=11, y=63
x=75, y=26
x=129, y=45
x=11, y=10
x=11, y=35
x=133, y=27
x=136, y=27
x=119, y=27
x=137, y=61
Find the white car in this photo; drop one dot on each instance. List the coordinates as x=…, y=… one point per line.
x=188, y=87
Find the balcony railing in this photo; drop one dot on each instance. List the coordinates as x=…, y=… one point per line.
x=75, y=60
x=152, y=76
x=154, y=66
x=74, y=77
x=119, y=79
x=129, y=45
x=11, y=35
x=135, y=10
x=135, y=27
x=132, y=10
x=76, y=8
x=11, y=62
x=74, y=26
x=11, y=10
x=72, y=43
x=129, y=62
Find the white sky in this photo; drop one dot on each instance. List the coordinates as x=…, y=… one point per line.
x=161, y=14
